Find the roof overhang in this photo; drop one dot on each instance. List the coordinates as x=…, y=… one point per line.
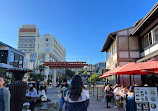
x=146, y=21
x=108, y=41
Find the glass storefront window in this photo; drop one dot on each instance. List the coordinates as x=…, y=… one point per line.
x=12, y=58
x=16, y=64
x=20, y=61
x=3, y=56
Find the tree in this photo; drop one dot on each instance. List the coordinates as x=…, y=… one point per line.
x=34, y=77
x=93, y=78
x=2, y=72
x=69, y=73
x=84, y=71
x=41, y=68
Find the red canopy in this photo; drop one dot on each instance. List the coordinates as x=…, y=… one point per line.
x=129, y=69
x=110, y=73
x=107, y=75
x=151, y=65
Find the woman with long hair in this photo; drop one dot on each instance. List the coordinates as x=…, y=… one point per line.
x=64, y=88
x=78, y=96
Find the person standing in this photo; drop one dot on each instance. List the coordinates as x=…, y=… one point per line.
x=37, y=85
x=4, y=96
x=77, y=97
x=45, y=85
x=63, y=90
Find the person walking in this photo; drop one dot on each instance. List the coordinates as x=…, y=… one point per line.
x=63, y=90
x=4, y=96
x=77, y=98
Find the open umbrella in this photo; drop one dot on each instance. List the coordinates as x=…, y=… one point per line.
x=129, y=69
x=110, y=73
x=150, y=66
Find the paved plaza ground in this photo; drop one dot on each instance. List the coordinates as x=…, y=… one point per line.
x=54, y=98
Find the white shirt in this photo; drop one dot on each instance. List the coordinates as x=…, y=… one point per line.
x=42, y=92
x=32, y=94
x=84, y=96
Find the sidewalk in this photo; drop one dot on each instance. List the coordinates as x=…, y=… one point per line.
x=99, y=105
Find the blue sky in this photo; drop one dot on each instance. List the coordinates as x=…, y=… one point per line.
x=80, y=25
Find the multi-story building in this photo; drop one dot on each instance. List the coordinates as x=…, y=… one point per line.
x=138, y=43
x=39, y=49
x=147, y=33
x=27, y=39
x=100, y=67
x=120, y=48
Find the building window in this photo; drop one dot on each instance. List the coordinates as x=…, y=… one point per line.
x=46, y=39
x=114, y=47
x=16, y=64
x=25, y=44
x=146, y=40
x=12, y=58
x=48, y=44
x=20, y=61
x=47, y=50
x=3, y=56
x=156, y=35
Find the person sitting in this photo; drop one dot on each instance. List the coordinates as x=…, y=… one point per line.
x=130, y=100
x=32, y=93
x=78, y=97
x=41, y=97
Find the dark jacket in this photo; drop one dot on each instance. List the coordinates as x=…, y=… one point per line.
x=77, y=106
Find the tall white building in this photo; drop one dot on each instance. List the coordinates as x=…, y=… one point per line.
x=39, y=49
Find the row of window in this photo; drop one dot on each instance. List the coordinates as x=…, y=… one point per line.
x=111, y=50
x=27, y=50
x=149, y=38
x=27, y=44
x=26, y=40
x=16, y=60
x=58, y=50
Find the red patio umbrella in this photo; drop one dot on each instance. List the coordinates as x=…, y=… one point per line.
x=129, y=69
x=149, y=66
x=110, y=73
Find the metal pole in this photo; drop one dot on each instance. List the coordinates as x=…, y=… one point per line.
x=93, y=90
x=97, y=93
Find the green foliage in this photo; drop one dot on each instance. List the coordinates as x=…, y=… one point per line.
x=104, y=70
x=84, y=71
x=93, y=78
x=2, y=72
x=41, y=68
x=34, y=77
x=69, y=73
